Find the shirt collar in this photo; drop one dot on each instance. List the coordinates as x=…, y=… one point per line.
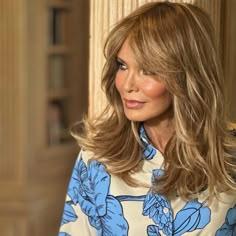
x=149, y=151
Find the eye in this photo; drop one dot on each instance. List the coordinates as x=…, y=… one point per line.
x=121, y=65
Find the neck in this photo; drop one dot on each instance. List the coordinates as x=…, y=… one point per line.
x=159, y=132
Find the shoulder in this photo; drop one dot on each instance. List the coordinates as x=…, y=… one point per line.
x=85, y=155
x=86, y=160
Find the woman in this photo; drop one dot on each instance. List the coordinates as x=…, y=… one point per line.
x=160, y=159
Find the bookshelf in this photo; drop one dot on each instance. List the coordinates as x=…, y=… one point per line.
x=58, y=56
x=61, y=100
x=61, y=95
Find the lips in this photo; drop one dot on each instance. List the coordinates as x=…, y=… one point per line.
x=133, y=104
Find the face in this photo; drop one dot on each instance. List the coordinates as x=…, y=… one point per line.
x=144, y=96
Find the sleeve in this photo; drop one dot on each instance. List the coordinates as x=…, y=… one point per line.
x=75, y=219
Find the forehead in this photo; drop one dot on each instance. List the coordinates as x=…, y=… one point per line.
x=126, y=53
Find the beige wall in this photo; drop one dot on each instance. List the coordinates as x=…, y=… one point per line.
x=12, y=123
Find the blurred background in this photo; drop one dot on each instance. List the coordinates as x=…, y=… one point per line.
x=50, y=65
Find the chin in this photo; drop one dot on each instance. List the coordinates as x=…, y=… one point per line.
x=135, y=118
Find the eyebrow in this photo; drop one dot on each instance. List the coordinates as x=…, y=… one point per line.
x=120, y=60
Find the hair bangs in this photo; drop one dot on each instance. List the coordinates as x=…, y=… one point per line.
x=151, y=40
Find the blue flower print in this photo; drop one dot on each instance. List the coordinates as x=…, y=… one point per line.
x=159, y=210
x=63, y=234
x=229, y=227
x=153, y=230
x=89, y=187
x=85, y=182
x=69, y=214
x=149, y=151
x=113, y=223
x=194, y=215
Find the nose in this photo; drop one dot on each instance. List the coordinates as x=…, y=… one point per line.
x=130, y=84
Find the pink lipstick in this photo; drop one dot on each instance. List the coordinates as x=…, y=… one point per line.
x=133, y=104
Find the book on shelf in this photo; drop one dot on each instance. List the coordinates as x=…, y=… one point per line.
x=56, y=72
x=57, y=18
x=56, y=122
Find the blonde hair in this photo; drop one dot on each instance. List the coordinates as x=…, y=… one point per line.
x=176, y=42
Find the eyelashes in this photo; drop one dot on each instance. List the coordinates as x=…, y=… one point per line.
x=121, y=65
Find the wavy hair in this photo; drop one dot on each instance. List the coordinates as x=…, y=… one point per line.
x=175, y=41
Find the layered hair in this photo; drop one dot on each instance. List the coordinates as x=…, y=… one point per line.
x=175, y=41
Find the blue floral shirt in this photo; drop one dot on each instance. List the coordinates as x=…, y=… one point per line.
x=100, y=204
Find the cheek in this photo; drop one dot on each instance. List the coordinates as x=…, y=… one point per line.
x=118, y=82
x=155, y=90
